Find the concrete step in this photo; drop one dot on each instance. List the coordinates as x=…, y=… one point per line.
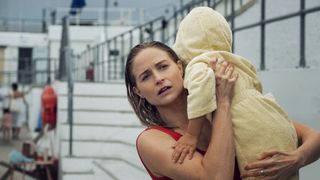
x=78, y=176
x=109, y=169
x=101, y=133
x=96, y=103
x=102, y=150
x=100, y=118
x=73, y=165
x=100, y=89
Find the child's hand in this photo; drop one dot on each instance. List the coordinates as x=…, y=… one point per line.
x=186, y=145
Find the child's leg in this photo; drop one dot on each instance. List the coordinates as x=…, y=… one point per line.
x=5, y=134
x=18, y=133
x=9, y=134
x=14, y=132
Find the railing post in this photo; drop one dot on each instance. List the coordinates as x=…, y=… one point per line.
x=302, y=62
x=225, y=7
x=97, y=70
x=101, y=57
x=116, y=57
x=151, y=32
x=64, y=43
x=131, y=39
x=122, y=56
x=44, y=22
x=232, y=23
x=69, y=65
x=108, y=60
x=141, y=34
x=163, y=29
x=262, y=39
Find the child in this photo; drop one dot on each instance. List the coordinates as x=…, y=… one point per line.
x=259, y=123
x=7, y=124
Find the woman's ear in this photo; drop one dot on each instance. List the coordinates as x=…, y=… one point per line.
x=137, y=91
x=181, y=67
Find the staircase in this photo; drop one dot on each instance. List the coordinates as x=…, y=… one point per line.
x=104, y=126
x=104, y=133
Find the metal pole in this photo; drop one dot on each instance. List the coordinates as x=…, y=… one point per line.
x=106, y=4
x=232, y=23
x=262, y=39
x=302, y=34
x=181, y=4
x=69, y=64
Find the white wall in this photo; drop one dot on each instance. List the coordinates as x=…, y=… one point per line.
x=298, y=92
x=11, y=64
x=22, y=39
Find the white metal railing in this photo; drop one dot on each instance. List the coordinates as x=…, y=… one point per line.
x=99, y=16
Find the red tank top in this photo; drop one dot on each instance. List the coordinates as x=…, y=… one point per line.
x=176, y=136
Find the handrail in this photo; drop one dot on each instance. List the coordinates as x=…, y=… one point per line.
x=23, y=25
x=67, y=60
x=109, y=57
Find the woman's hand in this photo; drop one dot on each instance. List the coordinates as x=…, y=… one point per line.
x=273, y=165
x=225, y=80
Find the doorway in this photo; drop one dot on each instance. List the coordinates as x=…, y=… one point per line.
x=25, y=66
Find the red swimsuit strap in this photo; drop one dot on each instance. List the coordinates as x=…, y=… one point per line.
x=171, y=133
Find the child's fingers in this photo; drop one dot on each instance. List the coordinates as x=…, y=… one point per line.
x=177, y=152
x=183, y=155
x=174, y=145
x=212, y=63
x=176, y=155
x=222, y=68
x=190, y=155
x=234, y=77
x=229, y=71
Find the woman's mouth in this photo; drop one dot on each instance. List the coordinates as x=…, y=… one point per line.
x=164, y=89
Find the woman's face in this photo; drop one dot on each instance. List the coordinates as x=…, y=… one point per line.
x=158, y=78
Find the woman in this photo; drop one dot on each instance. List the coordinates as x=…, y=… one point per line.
x=154, y=80
x=15, y=105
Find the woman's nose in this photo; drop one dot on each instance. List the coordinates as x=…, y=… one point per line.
x=159, y=79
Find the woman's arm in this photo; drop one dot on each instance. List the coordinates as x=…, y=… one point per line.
x=309, y=150
x=280, y=165
x=222, y=157
x=218, y=162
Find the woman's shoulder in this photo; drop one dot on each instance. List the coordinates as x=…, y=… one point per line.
x=158, y=132
x=154, y=148
x=151, y=136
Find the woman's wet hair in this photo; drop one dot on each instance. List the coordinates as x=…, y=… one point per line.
x=146, y=112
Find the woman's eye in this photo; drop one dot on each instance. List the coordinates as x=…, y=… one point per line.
x=164, y=66
x=145, y=77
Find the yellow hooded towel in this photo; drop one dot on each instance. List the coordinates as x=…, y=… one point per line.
x=259, y=122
